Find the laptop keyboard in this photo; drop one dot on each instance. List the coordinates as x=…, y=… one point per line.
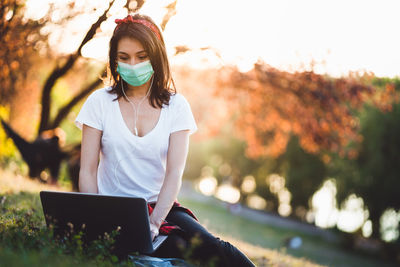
x=158, y=240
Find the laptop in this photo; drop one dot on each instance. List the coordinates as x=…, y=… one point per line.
x=95, y=214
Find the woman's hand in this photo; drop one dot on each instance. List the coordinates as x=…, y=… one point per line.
x=153, y=231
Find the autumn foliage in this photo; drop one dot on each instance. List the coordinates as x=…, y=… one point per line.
x=19, y=41
x=273, y=104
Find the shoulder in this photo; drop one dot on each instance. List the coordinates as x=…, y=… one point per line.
x=100, y=99
x=177, y=100
x=102, y=93
x=101, y=96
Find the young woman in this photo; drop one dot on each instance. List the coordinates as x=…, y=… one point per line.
x=140, y=127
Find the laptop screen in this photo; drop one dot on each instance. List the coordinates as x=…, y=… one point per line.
x=95, y=215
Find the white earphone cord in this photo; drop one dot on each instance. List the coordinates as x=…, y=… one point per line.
x=140, y=102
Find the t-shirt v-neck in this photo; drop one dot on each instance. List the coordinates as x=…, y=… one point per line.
x=119, y=111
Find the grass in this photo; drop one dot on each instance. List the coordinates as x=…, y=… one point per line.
x=25, y=240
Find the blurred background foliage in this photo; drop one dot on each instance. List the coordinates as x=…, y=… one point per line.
x=267, y=138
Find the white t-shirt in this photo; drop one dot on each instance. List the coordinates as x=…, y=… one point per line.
x=131, y=165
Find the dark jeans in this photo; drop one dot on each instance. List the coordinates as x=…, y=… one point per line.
x=198, y=245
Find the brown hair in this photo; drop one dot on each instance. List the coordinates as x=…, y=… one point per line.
x=154, y=45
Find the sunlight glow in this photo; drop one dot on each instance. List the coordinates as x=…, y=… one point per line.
x=95, y=48
x=36, y=9
x=324, y=205
x=276, y=183
x=293, y=35
x=248, y=184
x=285, y=197
x=254, y=201
x=367, y=229
x=390, y=225
x=353, y=215
x=284, y=209
x=228, y=193
x=9, y=15
x=208, y=185
x=277, y=186
x=288, y=34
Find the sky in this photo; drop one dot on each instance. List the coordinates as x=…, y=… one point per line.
x=334, y=36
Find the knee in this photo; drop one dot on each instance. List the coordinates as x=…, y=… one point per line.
x=204, y=240
x=224, y=253
x=210, y=241
x=234, y=257
x=207, y=250
x=225, y=245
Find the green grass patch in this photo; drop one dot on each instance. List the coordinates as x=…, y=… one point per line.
x=26, y=241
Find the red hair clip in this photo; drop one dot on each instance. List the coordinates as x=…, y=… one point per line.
x=146, y=23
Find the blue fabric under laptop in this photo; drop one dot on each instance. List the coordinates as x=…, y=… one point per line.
x=147, y=261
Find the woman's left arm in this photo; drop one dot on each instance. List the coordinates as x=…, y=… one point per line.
x=176, y=159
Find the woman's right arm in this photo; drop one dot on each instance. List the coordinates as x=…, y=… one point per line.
x=90, y=151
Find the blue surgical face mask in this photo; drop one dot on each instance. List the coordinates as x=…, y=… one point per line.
x=137, y=74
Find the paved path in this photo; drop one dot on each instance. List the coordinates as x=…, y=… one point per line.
x=188, y=192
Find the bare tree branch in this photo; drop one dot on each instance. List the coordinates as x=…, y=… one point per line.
x=171, y=11
x=64, y=111
x=139, y=5
x=58, y=72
